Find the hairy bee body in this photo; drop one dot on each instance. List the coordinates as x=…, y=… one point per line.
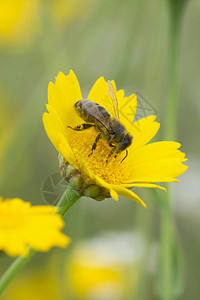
x=92, y=112
x=109, y=128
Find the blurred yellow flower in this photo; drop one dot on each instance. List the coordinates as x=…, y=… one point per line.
x=23, y=225
x=145, y=163
x=18, y=21
x=91, y=278
x=95, y=271
x=63, y=11
x=39, y=283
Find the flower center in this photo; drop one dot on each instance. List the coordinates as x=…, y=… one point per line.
x=112, y=171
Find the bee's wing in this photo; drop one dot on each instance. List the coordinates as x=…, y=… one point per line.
x=100, y=114
x=113, y=96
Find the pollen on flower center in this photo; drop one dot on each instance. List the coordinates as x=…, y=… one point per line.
x=113, y=171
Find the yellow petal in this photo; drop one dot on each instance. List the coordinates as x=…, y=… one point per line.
x=63, y=95
x=103, y=183
x=98, y=94
x=157, y=162
x=44, y=232
x=46, y=210
x=127, y=193
x=13, y=246
x=127, y=109
x=147, y=185
x=56, y=123
x=143, y=131
x=66, y=151
x=59, y=141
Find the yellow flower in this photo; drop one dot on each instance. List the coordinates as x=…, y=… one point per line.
x=23, y=225
x=145, y=164
x=18, y=21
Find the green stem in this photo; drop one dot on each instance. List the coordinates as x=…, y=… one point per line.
x=176, y=9
x=68, y=198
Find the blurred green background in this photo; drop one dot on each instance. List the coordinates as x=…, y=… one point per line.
x=122, y=40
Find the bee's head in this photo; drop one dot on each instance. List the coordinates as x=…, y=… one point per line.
x=78, y=104
x=124, y=143
x=78, y=107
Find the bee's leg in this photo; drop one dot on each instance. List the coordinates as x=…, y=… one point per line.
x=111, y=151
x=95, y=143
x=125, y=156
x=82, y=127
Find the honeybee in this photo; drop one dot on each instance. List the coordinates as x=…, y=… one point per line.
x=108, y=127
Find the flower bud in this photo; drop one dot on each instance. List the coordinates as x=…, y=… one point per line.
x=76, y=180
